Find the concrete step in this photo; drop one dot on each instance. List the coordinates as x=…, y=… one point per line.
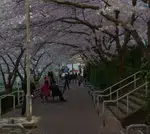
x=140, y=95
x=133, y=106
x=116, y=112
x=123, y=108
x=121, y=112
x=137, y=100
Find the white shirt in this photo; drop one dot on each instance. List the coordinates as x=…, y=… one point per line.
x=81, y=71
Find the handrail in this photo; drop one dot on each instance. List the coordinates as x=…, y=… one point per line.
x=137, y=126
x=23, y=131
x=118, y=82
x=97, y=97
x=18, y=95
x=118, y=89
x=4, y=96
x=126, y=95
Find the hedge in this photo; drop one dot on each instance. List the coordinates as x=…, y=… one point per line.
x=104, y=75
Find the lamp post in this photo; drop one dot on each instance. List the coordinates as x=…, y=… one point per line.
x=28, y=95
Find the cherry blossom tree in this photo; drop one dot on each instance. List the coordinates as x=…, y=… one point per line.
x=97, y=30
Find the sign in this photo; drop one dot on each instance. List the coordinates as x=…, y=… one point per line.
x=140, y=3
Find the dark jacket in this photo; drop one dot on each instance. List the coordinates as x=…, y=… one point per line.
x=55, y=90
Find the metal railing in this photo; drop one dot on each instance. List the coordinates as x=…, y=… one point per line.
x=13, y=129
x=98, y=97
x=36, y=92
x=20, y=95
x=127, y=96
x=4, y=96
x=137, y=129
x=110, y=88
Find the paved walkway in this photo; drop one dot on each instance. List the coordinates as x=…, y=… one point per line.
x=76, y=116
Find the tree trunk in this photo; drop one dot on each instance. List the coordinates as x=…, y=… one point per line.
x=148, y=50
x=121, y=64
x=9, y=88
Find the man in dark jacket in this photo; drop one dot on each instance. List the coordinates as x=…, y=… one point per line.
x=24, y=86
x=66, y=85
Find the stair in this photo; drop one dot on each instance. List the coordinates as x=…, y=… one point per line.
x=114, y=98
x=136, y=102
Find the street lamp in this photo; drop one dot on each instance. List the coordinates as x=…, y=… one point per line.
x=28, y=95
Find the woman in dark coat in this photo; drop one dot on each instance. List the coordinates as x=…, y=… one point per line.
x=51, y=77
x=56, y=91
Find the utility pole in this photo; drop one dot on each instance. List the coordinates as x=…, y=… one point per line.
x=28, y=95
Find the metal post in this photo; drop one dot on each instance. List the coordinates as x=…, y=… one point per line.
x=127, y=104
x=110, y=93
x=28, y=95
x=97, y=104
x=134, y=81
x=103, y=115
x=14, y=104
x=146, y=89
x=18, y=96
x=117, y=98
x=0, y=107
x=94, y=98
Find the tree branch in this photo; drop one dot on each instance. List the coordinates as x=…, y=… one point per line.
x=7, y=65
x=75, y=4
x=14, y=74
x=3, y=76
x=45, y=69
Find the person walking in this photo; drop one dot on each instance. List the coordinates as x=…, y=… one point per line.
x=76, y=77
x=66, y=84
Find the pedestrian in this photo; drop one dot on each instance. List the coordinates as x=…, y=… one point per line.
x=76, y=77
x=66, y=84
x=51, y=77
x=79, y=79
x=56, y=92
x=45, y=90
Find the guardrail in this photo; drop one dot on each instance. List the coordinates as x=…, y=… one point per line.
x=98, y=97
x=4, y=96
x=116, y=101
x=13, y=129
x=139, y=128
x=110, y=88
x=20, y=95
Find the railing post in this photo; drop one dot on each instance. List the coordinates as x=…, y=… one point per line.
x=18, y=96
x=134, y=81
x=110, y=93
x=97, y=104
x=103, y=115
x=0, y=107
x=117, y=98
x=127, y=104
x=22, y=97
x=13, y=104
x=146, y=89
x=94, y=98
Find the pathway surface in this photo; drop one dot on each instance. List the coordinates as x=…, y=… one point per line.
x=76, y=116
